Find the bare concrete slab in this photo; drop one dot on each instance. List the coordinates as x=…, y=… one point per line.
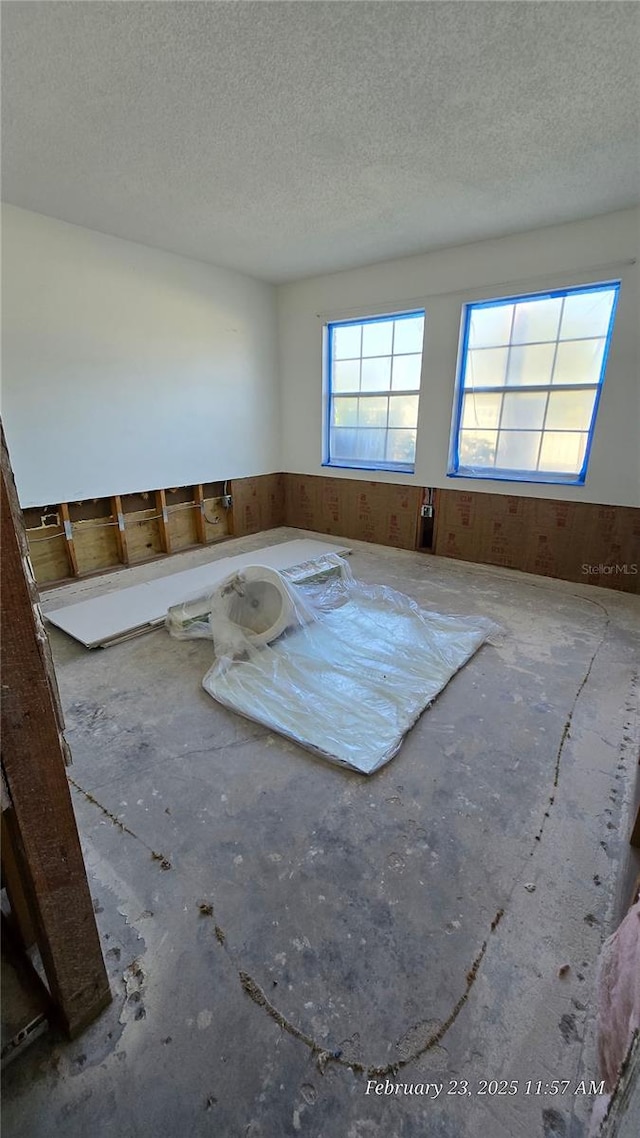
x=283, y=936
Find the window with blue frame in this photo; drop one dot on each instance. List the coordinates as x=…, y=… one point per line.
x=531, y=371
x=373, y=374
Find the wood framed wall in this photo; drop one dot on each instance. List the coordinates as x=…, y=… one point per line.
x=76, y=539
x=40, y=845
x=550, y=537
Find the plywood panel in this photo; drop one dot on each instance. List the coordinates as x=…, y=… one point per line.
x=258, y=503
x=143, y=535
x=366, y=511
x=182, y=525
x=48, y=551
x=96, y=544
x=574, y=541
x=216, y=519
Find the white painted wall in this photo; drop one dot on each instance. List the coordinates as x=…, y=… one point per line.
x=126, y=368
x=442, y=282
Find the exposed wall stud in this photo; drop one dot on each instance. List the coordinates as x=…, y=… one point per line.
x=201, y=529
x=163, y=520
x=121, y=533
x=68, y=533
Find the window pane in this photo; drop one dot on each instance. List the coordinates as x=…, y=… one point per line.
x=536, y=320
x=518, y=450
x=346, y=376
x=481, y=409
x=376, y=374
x=478, y=448
x=490, y=327
x=586, y=314
x=408, y=335
x=531, y=364
x=524, y=410
x=345, y=412
x=563, y=452
x=406, y=373
x=570, y=410
x=343, y=442
x=376, y=338
x=401, y=446
x=403, y=410
x=346, y=341
x=486, y=367
x=370, y=445
x=373, y=411
x=579, y=361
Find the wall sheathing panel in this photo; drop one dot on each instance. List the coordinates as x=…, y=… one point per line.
x=258, y=503
x=574, y=541
x=366, y=511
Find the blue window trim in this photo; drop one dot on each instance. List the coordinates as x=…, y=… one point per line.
x=346, y=464
x=455, y=470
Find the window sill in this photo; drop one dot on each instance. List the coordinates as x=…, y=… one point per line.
x=535, y=477
x=386, y=468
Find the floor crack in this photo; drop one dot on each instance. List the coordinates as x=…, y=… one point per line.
x=113, y=818
x=323, y=1056
x=566, y=730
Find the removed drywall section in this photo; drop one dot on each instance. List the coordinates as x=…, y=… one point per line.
x=366, y=511
x=575, y=541
x=126, y=367
x=441, y=282
x=78, y=538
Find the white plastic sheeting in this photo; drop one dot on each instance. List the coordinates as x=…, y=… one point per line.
x=350, y=673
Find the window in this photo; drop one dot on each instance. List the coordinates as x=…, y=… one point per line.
x=531, y=371
x=374, y=383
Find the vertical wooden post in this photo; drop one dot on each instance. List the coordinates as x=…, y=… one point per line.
x=68, y=533
x=33, y=762
x=163, y=520
x=201, y=529
x=117, y=514
x=13, y=876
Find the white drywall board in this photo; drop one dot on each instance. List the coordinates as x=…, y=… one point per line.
x=104, y=620
x=598, y=249
x=126, y=368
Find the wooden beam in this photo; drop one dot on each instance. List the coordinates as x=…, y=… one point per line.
x=635, y=832
x=12, y=878
x=201, y=529
x=163, y=520
x=117, y=514
x=68, y=533
x=33, y=762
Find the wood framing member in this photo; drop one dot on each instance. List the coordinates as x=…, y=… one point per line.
x=121, y=533
x=33, y=762
x=163, y=520
x=68, y=533
x=13, y=875
x=201, y=529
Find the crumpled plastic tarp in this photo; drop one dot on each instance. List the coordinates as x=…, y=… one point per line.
x=351, y=673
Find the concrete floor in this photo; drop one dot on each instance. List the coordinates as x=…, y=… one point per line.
x=356, y=922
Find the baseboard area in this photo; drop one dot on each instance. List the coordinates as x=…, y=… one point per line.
x=573, y=541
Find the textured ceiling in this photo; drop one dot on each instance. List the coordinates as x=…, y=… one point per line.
x=288, y=139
